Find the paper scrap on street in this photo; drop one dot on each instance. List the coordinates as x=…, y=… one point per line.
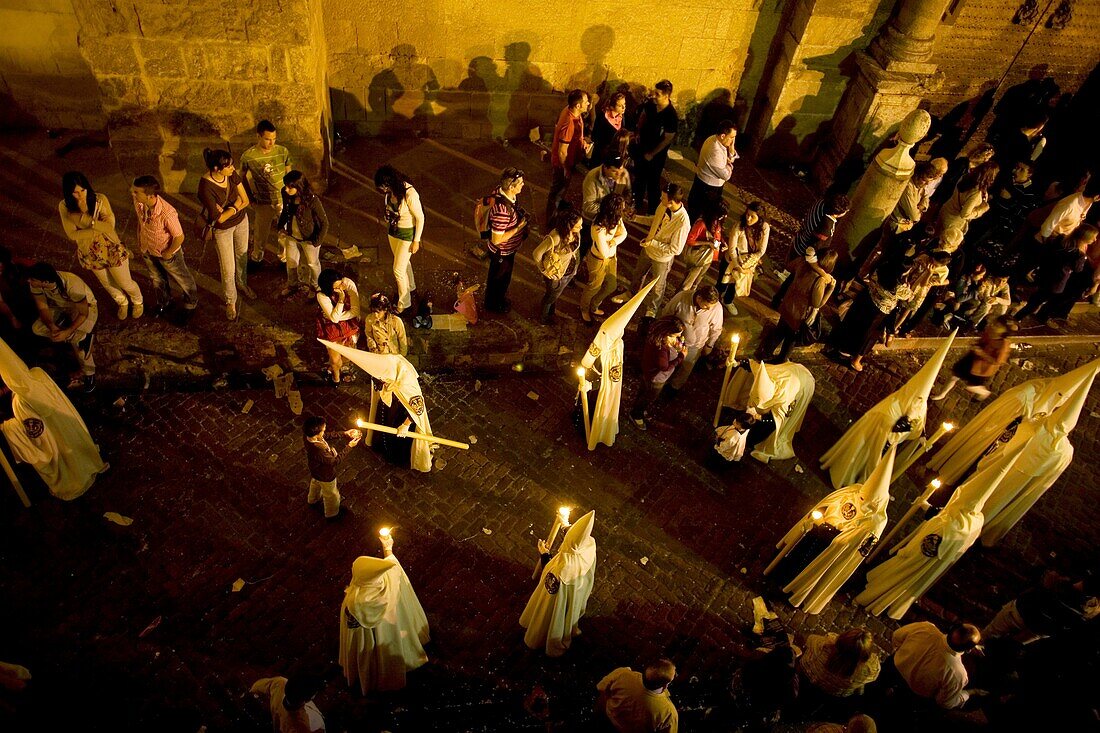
x=533, y=395
x=118, y=519
x=472, y=439
x=238, y=584
x=247, y=406
x=486, y=530
x=644, y=561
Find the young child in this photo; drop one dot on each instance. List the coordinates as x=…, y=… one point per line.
x=323, y=459
x=731, y=441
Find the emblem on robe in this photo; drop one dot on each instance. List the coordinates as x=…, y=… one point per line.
x=552, y=584
x=867, y=545
x=616, y=373
x=350, y=621
x=417, y=405
x=594, y=351
x=848, y=510
x=34, y=427
x=930, y=545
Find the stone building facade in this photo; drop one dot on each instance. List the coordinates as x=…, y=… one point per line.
x=167, y=77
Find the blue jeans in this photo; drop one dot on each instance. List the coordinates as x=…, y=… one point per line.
x=174, y=267
x=554, y=289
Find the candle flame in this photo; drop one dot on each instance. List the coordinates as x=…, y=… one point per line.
x=936, y=483
x=581, y=371
x=360, y=423
x=735, y=338
x=384, y=532
x=563, y=512
x=816, y=515
x=948, y=427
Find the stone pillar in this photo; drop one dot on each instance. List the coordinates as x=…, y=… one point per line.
x=177, y=77
x=881, y=186
x=889, y=80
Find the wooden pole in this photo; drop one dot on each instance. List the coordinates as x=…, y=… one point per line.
x=920, y=503
x=582, y=395
x=416, y=436
x=373, y=414
x=15, y=484
x=734, y=340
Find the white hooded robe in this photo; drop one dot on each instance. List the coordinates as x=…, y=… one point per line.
x=47, y=432
x=859, y=512
x=784, y=390
x=852, y=458
x=555, y=608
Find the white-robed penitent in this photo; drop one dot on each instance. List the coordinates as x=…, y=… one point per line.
x=859, y=513
x=785, y=391
x=555, y=608
x=999, y=420
x=932, y=548
x=607, y=347
x=853, y=457
x=46, y=431
x=399, y=378
x=383, y=628
x=1043, y=452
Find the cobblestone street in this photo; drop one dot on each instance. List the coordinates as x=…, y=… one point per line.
x=147, y=612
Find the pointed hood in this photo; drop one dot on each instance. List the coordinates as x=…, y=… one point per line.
x=366, y=570
x=578, y=551
x=919, y=386
x=14, y=371
x=369, y=596
x=1057, y=390
x=1063, y=420
x=380, y=366
x=763, y=386
x=876, y=489
x=614, y=326
x=972, y=495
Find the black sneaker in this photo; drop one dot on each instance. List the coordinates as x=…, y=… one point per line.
x=89, y=384
x=254, y=266
x=639, y=423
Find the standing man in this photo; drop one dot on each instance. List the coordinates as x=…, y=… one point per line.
x=569, y=145
x=160, y=238
x=701, y=314
x=264, y=165
x=657, y=126
x=931, y=662
x=639, y=703
x=507, y=232
x=816, y=231
x=611, y=177
x=714, y=168
x=668, y=232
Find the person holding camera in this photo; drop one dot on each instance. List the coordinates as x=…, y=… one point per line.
x=507, y=231
x=405, y=227
x=663, y=352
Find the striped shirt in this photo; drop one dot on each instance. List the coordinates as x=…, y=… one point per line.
x=815, y=230
x=503, y=216
x=158, y=225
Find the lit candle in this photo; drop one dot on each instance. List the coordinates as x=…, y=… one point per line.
x=561, y=518
x=384, y=532
x=807, y=524
x=582, y=395
x=735, y=339
x=360, y=423
x=940, y=432
x=921, y=502
x=581, y=371
x=817, y=516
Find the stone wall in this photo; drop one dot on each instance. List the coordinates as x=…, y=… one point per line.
x=491, y=69
x=44, y=81
x=177, y=77
x=980, y=41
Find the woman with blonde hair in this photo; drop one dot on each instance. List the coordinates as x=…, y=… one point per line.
x=840, y=665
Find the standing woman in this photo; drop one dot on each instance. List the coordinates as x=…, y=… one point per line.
x=863, y=325
x=383, y=329
x=338, y=320
x=748, y=244
x=970, y=199
x=223, y=198
x=608, y=232
x=405, y=221
x=704, y=241
x=557, y=258
x=302, y=229
x=664, y=350
x=800, y=308
x=87, y=219
x=608, y=122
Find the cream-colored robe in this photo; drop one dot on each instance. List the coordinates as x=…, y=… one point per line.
x=785, y=391
x=46, y=431
x=859, y=512
x=383, y=627
x=554, y=610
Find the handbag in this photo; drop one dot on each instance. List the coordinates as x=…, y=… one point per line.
x=810, y=331
x=204, y=224
x=699, y=255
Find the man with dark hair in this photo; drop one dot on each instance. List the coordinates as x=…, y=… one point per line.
x=160, y=239
x=291, y=702
x=569, y=146
x=657, y=126
x=930, y=662
x=701, y=314
x=323, y=459
x=668, y=230
x=714, y=168
x=634, y=702
x=263, y=166
x=507, y=232
x=603, y=180
x=816, y=231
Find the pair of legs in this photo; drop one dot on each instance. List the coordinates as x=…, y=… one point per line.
x=325, y=491
x=163, y=269
x=782, y=337
x=647, y=270
x=232, y=246
x=683, y=371
x=80, y=340
x=702, y=198
x=602, y=280
x=266, y=216
x=336, y=362
x=303, y=263
x=647, y=395
x=122, y=288
x=500, y=277
x=554, y=289
x=402, y=271
x=647, y=184
x=559, y=184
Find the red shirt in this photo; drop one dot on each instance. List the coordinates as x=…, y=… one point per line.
x=569, y=131
x=698, y=236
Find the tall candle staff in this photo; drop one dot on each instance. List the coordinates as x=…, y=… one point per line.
x=561, y=521
x=807, y=524
x=735, y=339
x=921, y=503
x=582, y=395
x=919, y=448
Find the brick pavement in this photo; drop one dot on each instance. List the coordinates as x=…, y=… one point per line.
x=217, y=495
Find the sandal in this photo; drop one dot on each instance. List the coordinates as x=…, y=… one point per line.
x=855, y=367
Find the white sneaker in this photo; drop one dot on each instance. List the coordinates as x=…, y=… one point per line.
x=139, y=310
x=731, y=309
x=123, y=311
x=231, y=312
x=619, y=299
